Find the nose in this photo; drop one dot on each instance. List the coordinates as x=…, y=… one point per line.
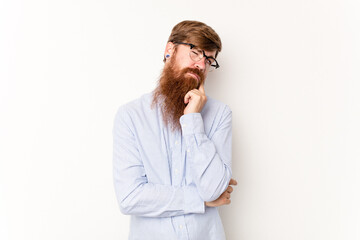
x=201, y=64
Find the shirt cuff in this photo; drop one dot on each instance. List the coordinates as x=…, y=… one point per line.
x=192, y=123
x=193, y=202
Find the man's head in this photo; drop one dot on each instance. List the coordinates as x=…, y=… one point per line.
x=190, y=54
x=191, y=40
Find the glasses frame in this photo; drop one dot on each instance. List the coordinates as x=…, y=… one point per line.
x=203, y=52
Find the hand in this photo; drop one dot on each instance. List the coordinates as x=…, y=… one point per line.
x=224, y=197
x=195, y=100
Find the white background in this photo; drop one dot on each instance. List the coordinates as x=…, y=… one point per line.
x=289, y=71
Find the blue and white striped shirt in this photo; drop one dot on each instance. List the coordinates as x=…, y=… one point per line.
x=162, y=178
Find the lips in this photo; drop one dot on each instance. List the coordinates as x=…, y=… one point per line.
x=195, y=75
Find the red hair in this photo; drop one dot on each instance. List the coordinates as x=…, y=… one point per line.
x=197, y=33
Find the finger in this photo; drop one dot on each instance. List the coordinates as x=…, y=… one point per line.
x=201, y=88
x=187, y=97
x=227, y=195
x=229, y=189
x=233, y=182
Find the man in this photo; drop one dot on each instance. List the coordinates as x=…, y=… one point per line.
x=172, y=147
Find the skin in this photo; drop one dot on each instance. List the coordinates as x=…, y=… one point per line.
x=224, y=197
x=196, y=99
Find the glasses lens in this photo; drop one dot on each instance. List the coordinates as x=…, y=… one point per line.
x=195, y=54
x=213, y=64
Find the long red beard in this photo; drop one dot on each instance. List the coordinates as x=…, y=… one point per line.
x=171, y=90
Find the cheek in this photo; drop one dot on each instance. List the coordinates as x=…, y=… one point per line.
x=205, y=74
x=183, y=61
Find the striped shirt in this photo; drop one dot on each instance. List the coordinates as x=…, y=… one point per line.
x=162, y=178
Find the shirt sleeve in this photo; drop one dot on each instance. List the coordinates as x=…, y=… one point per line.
x=209, y=159
x=135, y=195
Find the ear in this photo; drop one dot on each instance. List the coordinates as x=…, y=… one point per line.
x=169, y=49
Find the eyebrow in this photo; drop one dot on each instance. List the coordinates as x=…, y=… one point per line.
x=209, y=56
x=203, y=52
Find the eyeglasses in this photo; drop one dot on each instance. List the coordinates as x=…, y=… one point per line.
x=197, y=54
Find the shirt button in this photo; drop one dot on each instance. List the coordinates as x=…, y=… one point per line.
x=180, y=226
x=188, y=150
x=176, y=142
x=184, y=125
x=176, y=171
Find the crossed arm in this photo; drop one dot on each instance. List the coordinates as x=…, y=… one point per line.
x=210, y=162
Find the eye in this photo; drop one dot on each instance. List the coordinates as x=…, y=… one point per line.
x=195, y=53
x=211, y=60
